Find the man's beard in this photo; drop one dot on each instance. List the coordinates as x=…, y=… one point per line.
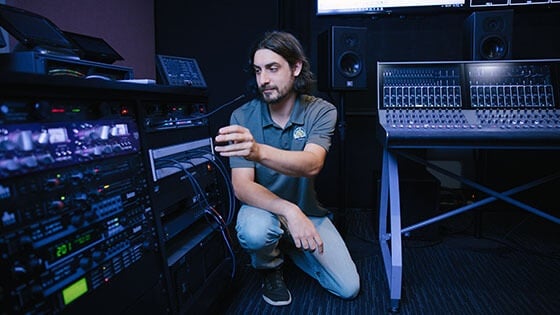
x=275, y=97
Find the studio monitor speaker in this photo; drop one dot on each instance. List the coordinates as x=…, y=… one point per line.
x=342, y=58
x=489, y=35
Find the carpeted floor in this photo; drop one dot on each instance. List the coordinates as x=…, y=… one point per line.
x=510, y=268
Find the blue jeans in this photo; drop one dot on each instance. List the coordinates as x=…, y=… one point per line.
x=260, y=231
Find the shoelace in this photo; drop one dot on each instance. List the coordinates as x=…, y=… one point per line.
x=275, y=280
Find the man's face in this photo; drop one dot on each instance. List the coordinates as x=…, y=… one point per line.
x=275, y=77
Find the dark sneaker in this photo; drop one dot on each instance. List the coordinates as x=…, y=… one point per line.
x=275, y=291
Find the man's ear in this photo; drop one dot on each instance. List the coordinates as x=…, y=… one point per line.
x=297, y=68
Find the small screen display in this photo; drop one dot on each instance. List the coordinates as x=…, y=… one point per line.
x=57, y=135
x=119, y=130
x=74, y=291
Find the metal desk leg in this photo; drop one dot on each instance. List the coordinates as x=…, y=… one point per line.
x=390, y=199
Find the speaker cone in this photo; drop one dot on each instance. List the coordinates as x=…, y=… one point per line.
x=493, y=47
x=350, y=64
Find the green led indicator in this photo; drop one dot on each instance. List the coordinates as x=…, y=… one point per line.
x=74, y=291
x=76, y=110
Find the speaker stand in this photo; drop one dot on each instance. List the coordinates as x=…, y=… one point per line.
x=342, y=177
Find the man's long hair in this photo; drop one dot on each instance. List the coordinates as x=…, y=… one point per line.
x=287, y=46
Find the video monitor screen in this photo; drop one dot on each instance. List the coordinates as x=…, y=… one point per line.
x=334, y=7
x=32, y=29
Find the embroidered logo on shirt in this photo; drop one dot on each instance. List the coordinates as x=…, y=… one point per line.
x=299, y=133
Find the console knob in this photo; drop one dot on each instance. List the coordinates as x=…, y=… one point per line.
x=37, y=292
x=10, y=165
x=8, y=218
x=29, y=162
x=77, y=220
x=25, y=240
x=42, y=109
x=97, y=150
x=107, y=149
x=53, y=182
x=98, y=256
x=92, y=135
x=35, y=264
x=77, y=177
x=45, y=159
x=7, y=145
x=147, y=245
x=85, y=262
x=57, y=205
x=89, y=215
x=117, y=148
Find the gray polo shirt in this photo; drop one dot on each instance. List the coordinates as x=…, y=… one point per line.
x=313, y=120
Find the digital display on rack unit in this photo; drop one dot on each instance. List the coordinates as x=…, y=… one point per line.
x=57, y=135
x=119, y=130
x=72, y=244
x=74, y=291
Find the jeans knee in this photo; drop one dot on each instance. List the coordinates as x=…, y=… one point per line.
x=350, y=292
x=250, y=241
x=256, y=238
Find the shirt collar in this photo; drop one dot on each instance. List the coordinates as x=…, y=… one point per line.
x=265, y=114
x=296, y=117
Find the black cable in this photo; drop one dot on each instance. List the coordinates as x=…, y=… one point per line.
x=190, y=177
x=226, y=236
x=220, y=107
x=191, y=118
x=201, y=153
x=222, y=169
x=208, y=209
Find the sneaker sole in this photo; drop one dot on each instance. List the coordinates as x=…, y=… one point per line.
x=278, y=303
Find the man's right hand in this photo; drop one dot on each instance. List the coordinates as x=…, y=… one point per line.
x=303, y=232
x=237, y=141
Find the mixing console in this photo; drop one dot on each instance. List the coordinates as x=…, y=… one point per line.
x=474, y=102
